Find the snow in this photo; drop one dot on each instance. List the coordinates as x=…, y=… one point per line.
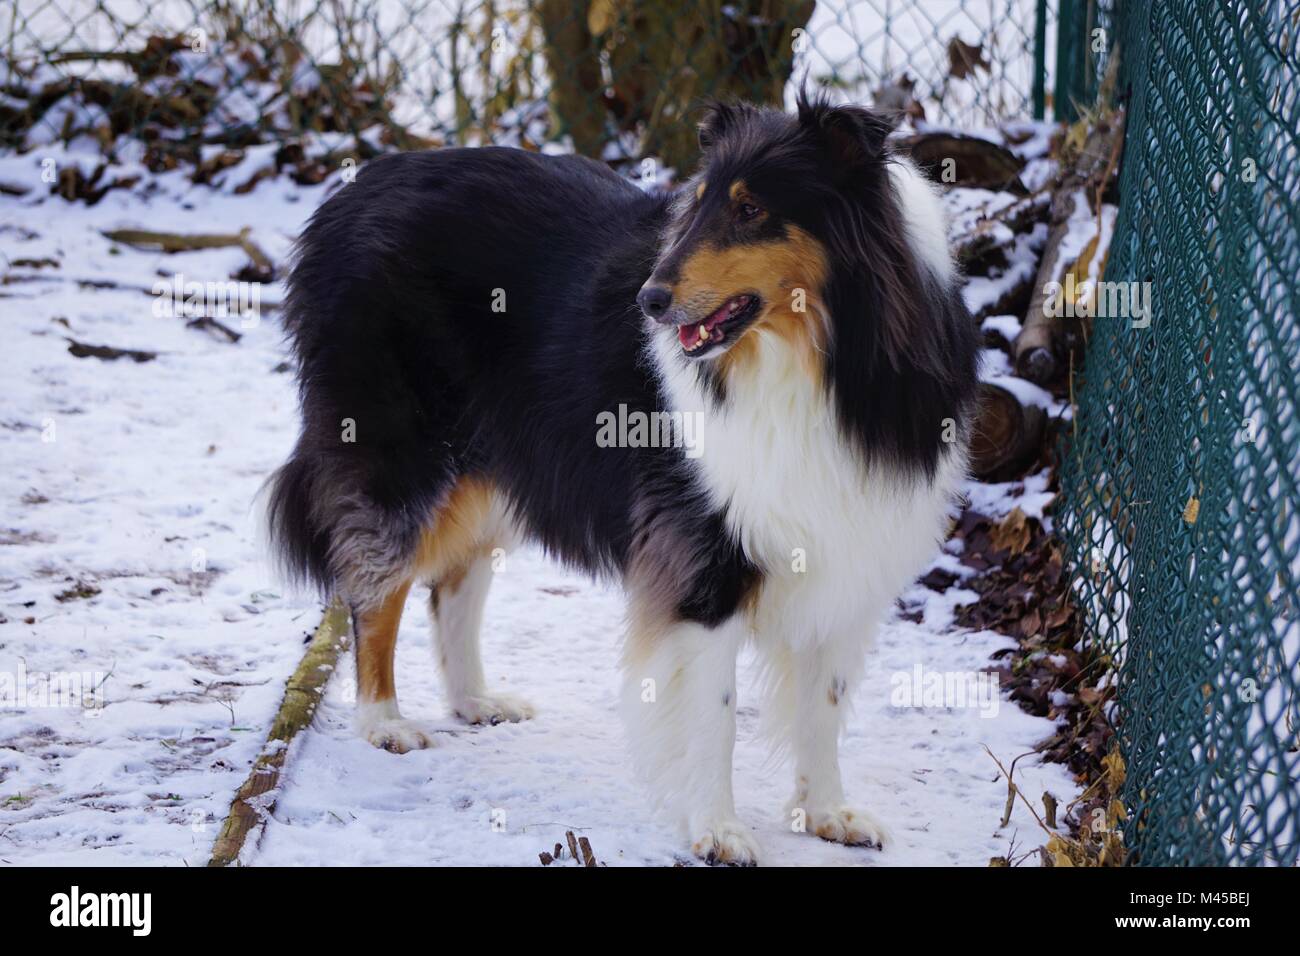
x=1029, y=394
x=146, y=492
x=1029, y=494
x=983, y=292
x=924, y=771
x=1007, y=326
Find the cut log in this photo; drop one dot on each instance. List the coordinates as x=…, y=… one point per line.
x=1039, y=348
x=1007, y=437
x=995, y=232
x=976, y=163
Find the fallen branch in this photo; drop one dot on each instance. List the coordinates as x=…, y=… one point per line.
x=171, y=242
x=255, y=799
x=1013, y=792
x=108, y=353
x=206, y=323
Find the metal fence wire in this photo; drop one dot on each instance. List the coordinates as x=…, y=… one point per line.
x=1179, y=485
x=610, y=78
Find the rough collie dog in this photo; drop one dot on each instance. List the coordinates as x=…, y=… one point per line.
x=464, y=320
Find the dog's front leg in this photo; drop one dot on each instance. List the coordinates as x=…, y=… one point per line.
x=819, y=679
x=680, y=706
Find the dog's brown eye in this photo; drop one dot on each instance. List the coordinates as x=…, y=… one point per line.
x=749, y=211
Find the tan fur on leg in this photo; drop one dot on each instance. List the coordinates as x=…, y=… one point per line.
x=376, y=636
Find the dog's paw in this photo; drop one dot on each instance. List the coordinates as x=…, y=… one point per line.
x=850, y=826
x=398, y=735
x=725, y=843
x=492, y=709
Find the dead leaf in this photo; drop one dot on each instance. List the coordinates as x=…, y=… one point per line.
x=1031, y=623
x=600, y=16
x=1059, y=617
x=963, y=58
x=1012, y=533
x=1113, y=764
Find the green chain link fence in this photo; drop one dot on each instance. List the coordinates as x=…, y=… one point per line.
x=1179, y=485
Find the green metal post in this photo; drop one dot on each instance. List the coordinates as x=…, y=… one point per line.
x=1040, y=60
x=1071, y=37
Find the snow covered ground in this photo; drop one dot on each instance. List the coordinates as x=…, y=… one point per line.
x=131, y=577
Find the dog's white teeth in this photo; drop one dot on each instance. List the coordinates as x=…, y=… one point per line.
x=704, y=333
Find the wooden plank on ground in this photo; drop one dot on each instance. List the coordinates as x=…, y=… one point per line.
x=256, y=798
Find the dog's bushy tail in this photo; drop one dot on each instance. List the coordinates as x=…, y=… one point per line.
x=301, y=546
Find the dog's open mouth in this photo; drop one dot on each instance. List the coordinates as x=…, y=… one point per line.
x=726, y=320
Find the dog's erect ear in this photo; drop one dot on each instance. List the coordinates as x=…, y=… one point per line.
x=853, y=137
x=717, y=119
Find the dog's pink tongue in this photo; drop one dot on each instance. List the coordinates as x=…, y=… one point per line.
x=719, y=314
x=688, y=335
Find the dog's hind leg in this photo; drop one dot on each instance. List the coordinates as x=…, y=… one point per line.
x=679, y=701
x=378, y=578
x=456, y=606
x=378, y=718
x=456, y=552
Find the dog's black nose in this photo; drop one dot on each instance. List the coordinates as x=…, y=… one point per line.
x=654, y=300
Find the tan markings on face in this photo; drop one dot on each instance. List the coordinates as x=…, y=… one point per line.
x=699, y=190
x=740, y=196
x=376, y=638
x=457, y=532
x=787, y=273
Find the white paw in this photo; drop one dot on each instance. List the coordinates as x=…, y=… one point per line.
x=725, y=843
x=492, y=709
x=398, y=735
x=850, y=826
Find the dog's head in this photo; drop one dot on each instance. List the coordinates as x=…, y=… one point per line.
x=755, y=235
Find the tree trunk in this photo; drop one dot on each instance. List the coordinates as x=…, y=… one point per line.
x=663, y=58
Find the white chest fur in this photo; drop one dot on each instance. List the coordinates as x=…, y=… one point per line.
x=837, y=539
